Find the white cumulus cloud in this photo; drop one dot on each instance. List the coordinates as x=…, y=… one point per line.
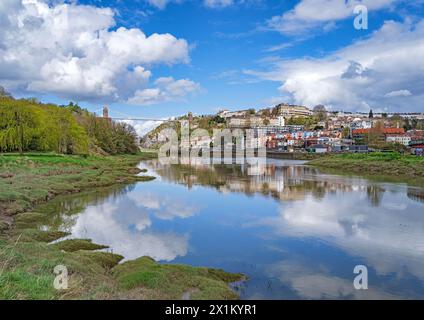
x=143, y=127
x=310, y=14
x=167, y=89
x=360, y=75
x=75, y=51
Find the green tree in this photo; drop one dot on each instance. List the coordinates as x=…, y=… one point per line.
x=4, y=93
x=266, y=113
x=320, y=112
x=25, y=126
x=346, y=133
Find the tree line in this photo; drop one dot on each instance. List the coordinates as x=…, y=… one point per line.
x=27, y=125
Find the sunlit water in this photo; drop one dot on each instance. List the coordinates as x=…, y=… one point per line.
x=295, y=232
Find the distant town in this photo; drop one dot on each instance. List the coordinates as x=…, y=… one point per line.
x=293, y=128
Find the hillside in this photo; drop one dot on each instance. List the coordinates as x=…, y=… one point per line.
x=208, y=122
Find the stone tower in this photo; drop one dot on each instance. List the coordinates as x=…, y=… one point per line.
x=105, y=112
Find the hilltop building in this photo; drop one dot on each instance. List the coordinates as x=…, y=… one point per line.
x=230, y=114
x=293, y=111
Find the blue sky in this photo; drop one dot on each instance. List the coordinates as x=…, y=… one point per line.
x=214, y=54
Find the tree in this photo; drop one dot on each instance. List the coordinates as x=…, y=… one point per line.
x=275, y=111
x=18, y=126
x=218, y=119
x=320, y=112
x=25, y=126
x=319, y=108
x=346, y=133
x=407, y=126
x=74, y=107
x=4, y=93
x=375, y=134
x=266, y=113
x=309, y=122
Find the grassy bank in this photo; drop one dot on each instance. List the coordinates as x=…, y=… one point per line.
x=390, y=165
x=28, y=258
x=27, y=264
x=34, y=178
x=294, y=155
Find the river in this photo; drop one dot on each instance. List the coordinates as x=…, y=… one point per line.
x=297, y=233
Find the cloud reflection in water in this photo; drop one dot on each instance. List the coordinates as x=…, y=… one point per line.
x=126, y=226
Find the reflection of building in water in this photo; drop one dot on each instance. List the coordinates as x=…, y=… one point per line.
x=285, y=182
x=289, y=183
x=416, y=194
x=375, y=194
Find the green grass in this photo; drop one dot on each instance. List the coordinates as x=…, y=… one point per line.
x=29, y=179
x=72, y=245
x=29, y=235
x=393, y=165
x=26, y=272
x=105, y=259
x=165, y=281
x=23, y=285
x=380, y=156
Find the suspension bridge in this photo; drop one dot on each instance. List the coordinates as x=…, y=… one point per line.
x=119, y=116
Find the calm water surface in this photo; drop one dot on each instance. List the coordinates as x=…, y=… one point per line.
x=297, y=233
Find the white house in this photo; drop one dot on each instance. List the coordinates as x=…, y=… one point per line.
x=402, y=139
x=279, y=121
x=318, y=148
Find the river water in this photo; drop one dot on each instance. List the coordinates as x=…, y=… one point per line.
x=296, y=232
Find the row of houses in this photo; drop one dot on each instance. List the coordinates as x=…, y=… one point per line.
x=323, y=141
x=291, y=138
x=317, y=141
x=329, y=134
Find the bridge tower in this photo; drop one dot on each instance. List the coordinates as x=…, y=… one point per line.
x=105, y=112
